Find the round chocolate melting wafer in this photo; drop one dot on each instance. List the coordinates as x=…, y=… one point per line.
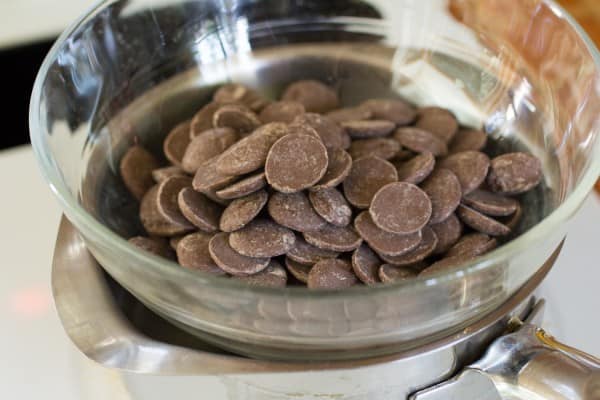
x=470, y=167
x=368, y=129
x=445, y=192
x=243, y=210
x=262, y=238
x=157, y=246
x=400, y=208
x=332, y=275
x=281, y=111
x=244, y=187
x=416, y=169
x=154, y=222
x=296, y=162
x=167, y=200
x=307, y=254
x=136, y=168
x=299, y=271
x=176, y=142
x=468, y=139
x=383, y=242
x=444, y=264
x=365, y=264
x=423, y=250
x=199, y=210
x=338, y=168
x=350, y=114
x=160, y=174
x=295, y=212
x=315, y=96
x=205, y=146
x=384, y=148
x=193, y=253
x=513, y=221
x=237, y=93
x=330, y=132
x=490, y=203
x=203, y=120
x=237, y=117
x=367, y=176
x=331, y=205
x=274, y=276
x=231, y=261
x=208, y=178
x=481, y=222
x=392, y=274
x=394, y=110
x=420, y=141
x=448, y=232
x=334, y=238
x=438, y=121
x=514, y=173
x=472, y=245
x=174, y=241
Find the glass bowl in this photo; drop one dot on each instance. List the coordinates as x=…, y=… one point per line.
x=522, y=70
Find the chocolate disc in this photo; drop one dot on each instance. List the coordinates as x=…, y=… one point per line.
x=174, y=241
x=157, y=246
x=394, y=110
x=423, y=250
x=299, y=271
x=330, y=132
x=514, y=173
x=136, y=170
x=205, y=146
x=491, y=203
x=400, y=208
x=160, y=174
x=243, y=187
x=296, y=162
x=262, y=238
x=379, y=147
x=365, y=264
x=367, y=176
x=481, y=222
x=384, y=242
x=203, y=120
x=192, y=253
x=331, y=274
x=448, y=232
x=444, y=191
x=295, y=212
x=176, y=142
x=368, y=129
x=236, y=93
x=513, y=221
x=338, y=169
x=420, y=141
x=167, y=204
x=314, y=95
x=392, y=274
x=237, y=117
x=472, y=245
x=274, y=276
x=438, y=121
x=416, y=169
x=332, y=206
x=199, y=210
x=334, y=238
x=307, y=254
x=208, y=178
x=231, y=261
x=468, y=139
x=154, y=222
x=243, y=210
x=470, y=167
x=444, y=264
x=281, y=111
x=350, y=114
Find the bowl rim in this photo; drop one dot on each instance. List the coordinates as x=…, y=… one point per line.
x=94, y=230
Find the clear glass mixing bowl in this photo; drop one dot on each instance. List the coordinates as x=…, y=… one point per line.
x=522, y=70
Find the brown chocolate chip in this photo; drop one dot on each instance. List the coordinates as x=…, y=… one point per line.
x=167, y=204
x=385, y=242
x=331, y=274
x=136, y=170
x=416, y=169
x=237, y=117
x=250, y=153
x=331, y=205
x=307, y=254
x=203, y=120
x=368, y=129
x=481, y=222
x=208, y=178
x=330, y=132
x=491, y=203
x=154, y=222
x=274, y=276
x=231, y=261
x=514, y=173
x=205, y=146
x=423, y=250
x=243, y=210
x=468, y=139
x=262, y=238
x=299, y=271
x=174, y=241
x=365, y=264
x=350, y=114
x=444, y=190
x=394, y=110
x=438, y=121
x=448, y=232
x=513, y=221
x=163, y=173
x=392, y=274
x=338, y=168
x=400, y=208
x=472, y=245
x=367, y=176
x=176, y=142
x=199, y=210
x=236, y=93
x=379, y=147
x=295, y=212
x=157, y=246
x=470, y=167
x=192, y=253
x=243, y=187
x=334, y=238
x=420, y=141
x=296, y=162
x=444, y=264
x=281, y=111
x=314, y=95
